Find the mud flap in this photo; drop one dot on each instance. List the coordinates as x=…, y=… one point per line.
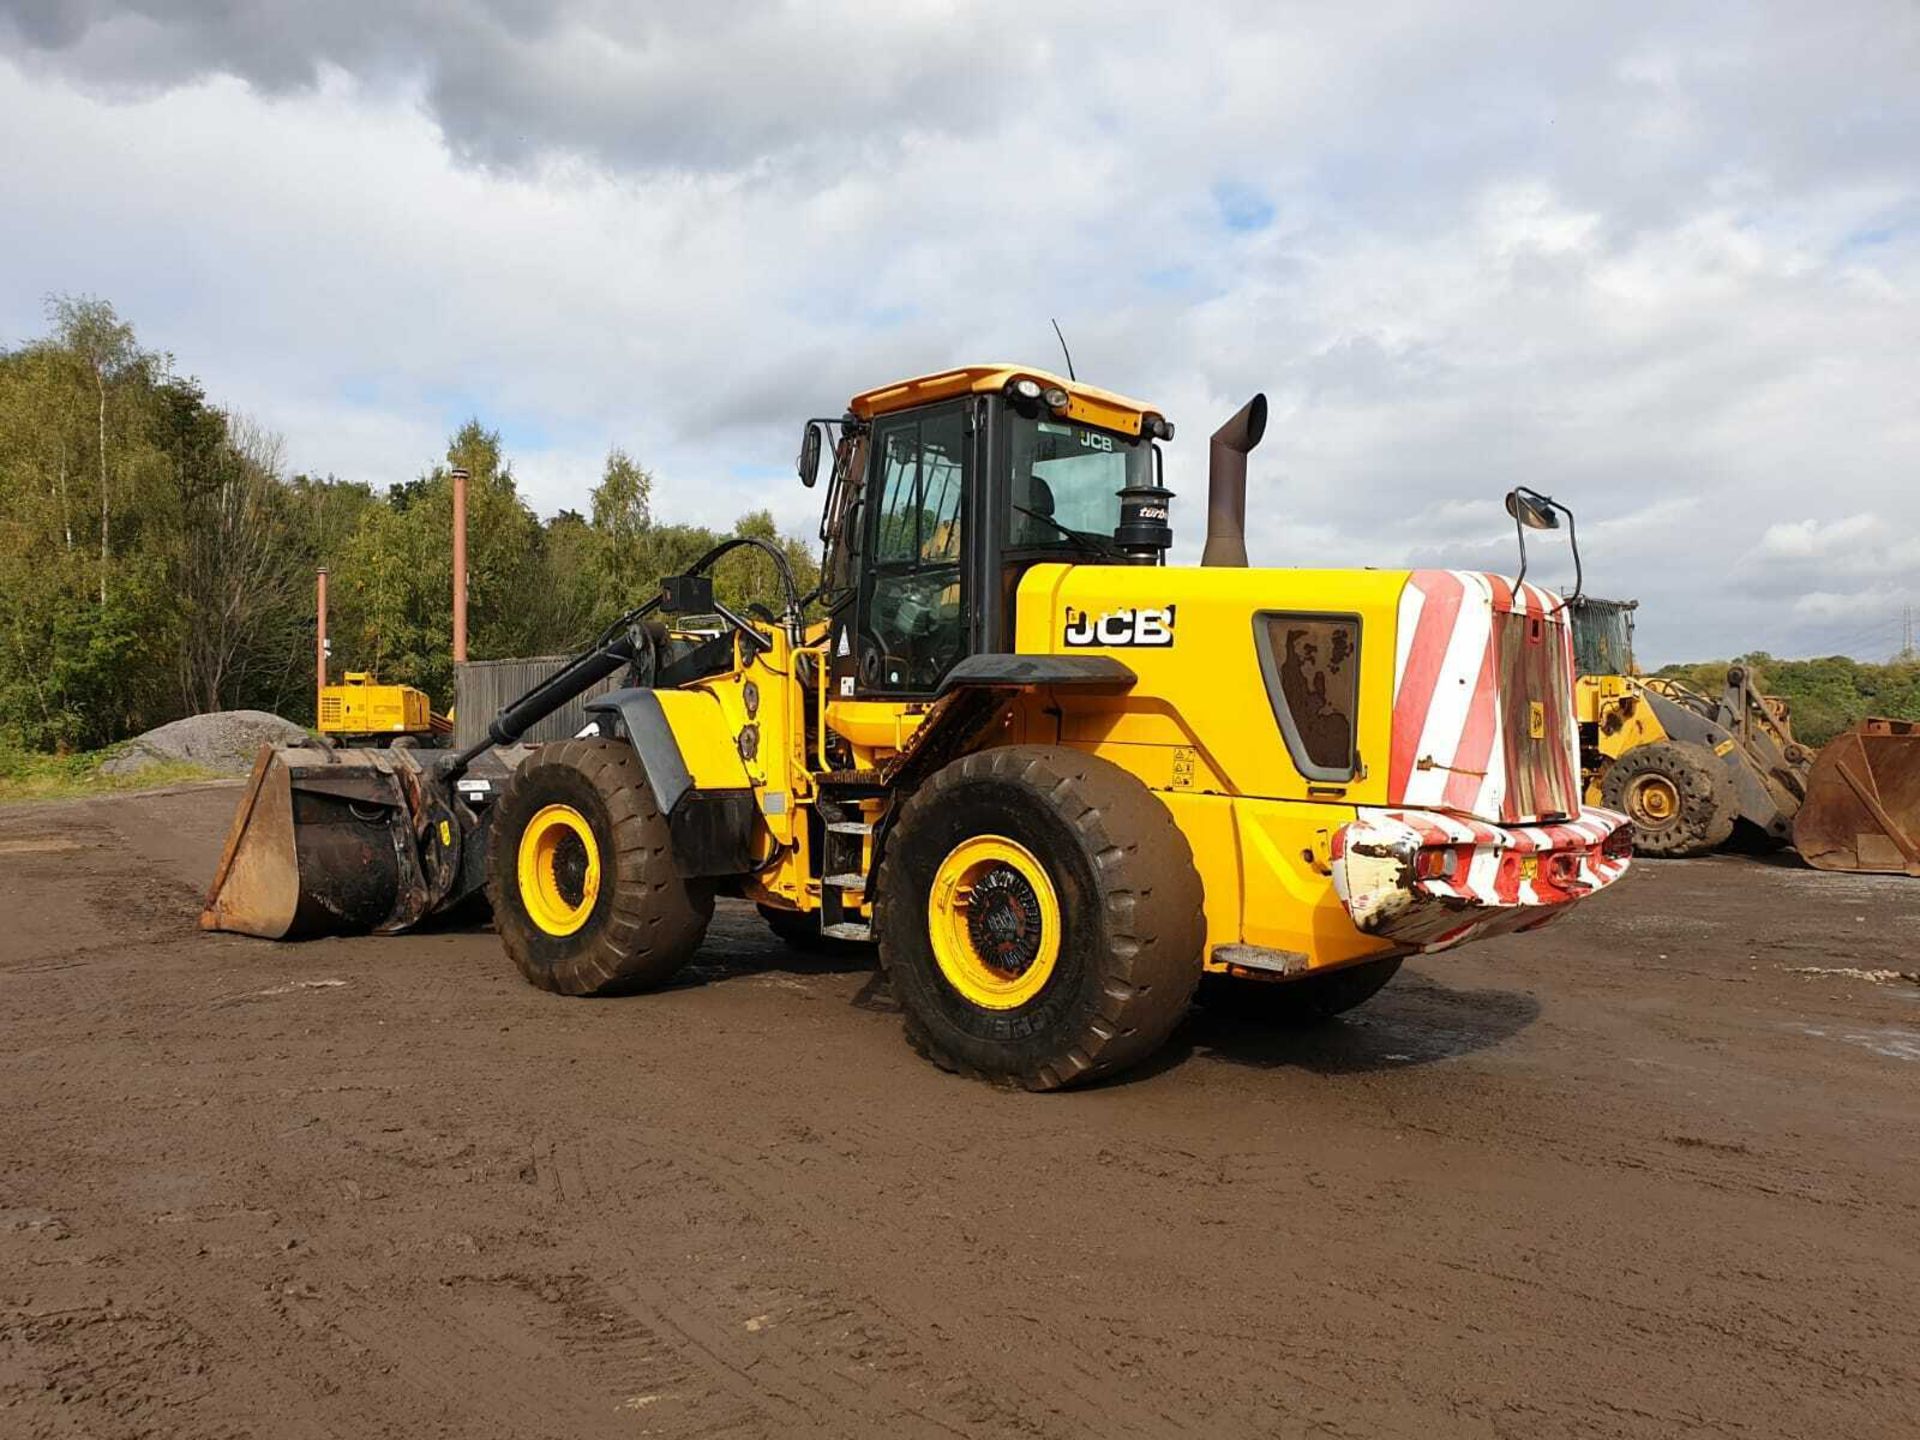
x=335, y=842
x=1862, y=810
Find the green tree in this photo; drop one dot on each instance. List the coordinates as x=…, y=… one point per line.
x=1826, y=695
x=397, y=579
x=103, y=345
x=155, y=560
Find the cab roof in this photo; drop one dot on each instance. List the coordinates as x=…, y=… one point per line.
x=1085, y=403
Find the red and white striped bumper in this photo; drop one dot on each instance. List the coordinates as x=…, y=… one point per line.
x=1430, y=881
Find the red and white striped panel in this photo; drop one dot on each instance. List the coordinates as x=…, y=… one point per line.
x=1449, y=750
x=1497, y=878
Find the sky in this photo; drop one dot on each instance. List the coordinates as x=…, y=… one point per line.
x=1660, y=261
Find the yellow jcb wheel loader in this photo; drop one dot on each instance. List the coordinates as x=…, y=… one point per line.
x=1684, y=767
x=1051, y=780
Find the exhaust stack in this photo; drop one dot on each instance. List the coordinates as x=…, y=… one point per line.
x=1227, y=483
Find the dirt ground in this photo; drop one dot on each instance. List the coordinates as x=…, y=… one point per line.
x=1653, y=1173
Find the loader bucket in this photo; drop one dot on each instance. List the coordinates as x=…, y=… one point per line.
x=324, y=842
x=1862, y=810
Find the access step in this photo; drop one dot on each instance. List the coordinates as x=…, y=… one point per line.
x=852, y=784
x=848, y=930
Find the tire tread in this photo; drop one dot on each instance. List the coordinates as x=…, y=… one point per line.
x=653, y=921
x=1153, y=908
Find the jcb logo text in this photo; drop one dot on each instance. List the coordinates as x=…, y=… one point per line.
x=1119, y=628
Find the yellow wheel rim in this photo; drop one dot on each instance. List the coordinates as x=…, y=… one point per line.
x=1654, y=800
x=559, y=864
x=995, y=922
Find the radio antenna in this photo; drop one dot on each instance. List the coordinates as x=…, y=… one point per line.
x=1063, y=349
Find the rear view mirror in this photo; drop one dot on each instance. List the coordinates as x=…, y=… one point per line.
x=810, y=455
x=1532, y=509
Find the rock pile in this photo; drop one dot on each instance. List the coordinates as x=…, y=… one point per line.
x=226, y=741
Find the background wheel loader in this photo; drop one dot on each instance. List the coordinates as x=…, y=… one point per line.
x=1686, y=768
x=1050, y=780
x=361, y=711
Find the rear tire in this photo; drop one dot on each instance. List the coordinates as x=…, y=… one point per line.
x=586, y=896
x=1039, y=917
x=1677, y=795
x=1310, y=1000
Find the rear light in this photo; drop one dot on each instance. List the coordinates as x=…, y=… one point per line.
x=1434, y=863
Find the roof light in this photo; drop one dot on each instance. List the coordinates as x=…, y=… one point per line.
x=1056, y=398
x=1024, y=389
x=1158, y=427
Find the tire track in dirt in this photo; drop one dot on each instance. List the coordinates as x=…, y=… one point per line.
x=1545, y=1188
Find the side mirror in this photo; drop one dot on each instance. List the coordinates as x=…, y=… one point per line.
x=1533, y=511
x=810, y=455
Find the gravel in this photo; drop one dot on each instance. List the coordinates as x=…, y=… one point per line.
x=226, y=741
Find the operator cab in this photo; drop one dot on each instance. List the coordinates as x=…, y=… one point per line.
x=946, y=489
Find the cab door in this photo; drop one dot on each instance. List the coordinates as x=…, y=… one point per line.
x=911, y=617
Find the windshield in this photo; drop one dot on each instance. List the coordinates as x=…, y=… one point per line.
x=1068, y=477
x=1602, y=637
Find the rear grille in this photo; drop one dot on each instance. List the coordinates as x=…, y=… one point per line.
x=1537, y=729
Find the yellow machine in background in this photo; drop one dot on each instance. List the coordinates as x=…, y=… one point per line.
x=360, y=710
x=1051, y=780
x=1686, y=768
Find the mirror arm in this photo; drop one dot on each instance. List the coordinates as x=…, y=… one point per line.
x=1573, y=544
x=1548, y=504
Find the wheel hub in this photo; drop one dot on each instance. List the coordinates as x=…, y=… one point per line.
x=558, y=869
x=1003, y=921
x=570, y=868
x=1654, y=800
x=993, y=917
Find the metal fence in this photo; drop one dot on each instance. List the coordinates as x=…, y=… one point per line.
x=481, y=687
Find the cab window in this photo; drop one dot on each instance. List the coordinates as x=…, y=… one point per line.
x=1065, y=481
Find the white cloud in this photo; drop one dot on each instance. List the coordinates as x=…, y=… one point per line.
x=1861, y=609
x=1664, y=265
x=1819, y=540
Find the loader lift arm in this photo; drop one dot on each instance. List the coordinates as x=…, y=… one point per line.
x=344, y=841
x=617, y=646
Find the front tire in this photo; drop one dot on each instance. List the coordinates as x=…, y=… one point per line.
x=586, y=896
x=1677, y=796
x=1039, y=916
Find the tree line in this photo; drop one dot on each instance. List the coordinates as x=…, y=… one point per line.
x=157, y=560
x=1825, y=696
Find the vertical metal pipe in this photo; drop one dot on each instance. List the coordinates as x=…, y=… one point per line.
x=320, y=640
x=1227, y=483
x=459, y=566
